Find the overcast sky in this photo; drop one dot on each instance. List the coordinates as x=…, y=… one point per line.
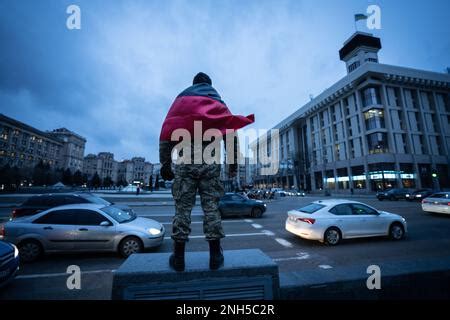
x=114, y=80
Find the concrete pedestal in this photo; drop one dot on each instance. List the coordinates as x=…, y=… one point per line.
x=246, y=274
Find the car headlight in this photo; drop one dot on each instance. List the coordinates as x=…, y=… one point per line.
x=16, y=251
x=154, y=231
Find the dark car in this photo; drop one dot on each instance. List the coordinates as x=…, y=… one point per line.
x=38, y=203
x=420, y=194
x=392, y=194
x=9, y=262
x=233, y=204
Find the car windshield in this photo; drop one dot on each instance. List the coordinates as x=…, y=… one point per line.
x=118, y=214
x=94, y=199
x=311, y=208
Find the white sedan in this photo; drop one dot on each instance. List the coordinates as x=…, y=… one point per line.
x=331, y=220
x=437, y=203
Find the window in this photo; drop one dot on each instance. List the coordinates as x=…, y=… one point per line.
x=360, y=209
x=353, y=66
x=377, y=143
x=346, y=106
x=73, y=200
x=371, y=96
x=342, y=210
x=311, y=208
x=236, y=197
x=439, y=195
x=59, y=217
x=118, y=214
x=89, y=218
x=374, y=119
x=371, y=60
x=94, y=199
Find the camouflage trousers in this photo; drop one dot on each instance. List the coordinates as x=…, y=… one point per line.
x=188, y=180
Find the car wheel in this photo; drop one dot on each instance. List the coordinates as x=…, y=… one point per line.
x=332, y=236
x=130, y=245
x=30, y=250
x=256, y=213
x=396, y=231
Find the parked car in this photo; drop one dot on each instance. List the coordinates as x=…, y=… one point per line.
x=392, y=194
x=419, y=194
x=437, y=203
x=83, y=227
x=42, y=202
x=331, y=220
x=9, y=262
x=233, y=204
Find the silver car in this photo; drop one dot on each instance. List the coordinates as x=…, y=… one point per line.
x=83, y=227
x=331, y=220
x=437, y=203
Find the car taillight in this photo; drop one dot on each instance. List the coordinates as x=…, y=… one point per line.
x=2, y=231
x=424, y=201
x=14, y=213
x=307, y=220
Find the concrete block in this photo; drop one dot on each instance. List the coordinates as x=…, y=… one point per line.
x=246, y=274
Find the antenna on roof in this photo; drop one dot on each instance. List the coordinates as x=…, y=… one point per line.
x=311, y=97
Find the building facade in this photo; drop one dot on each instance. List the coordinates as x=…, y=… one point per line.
x=73, y=148
x=103, y=164
x=380, y=126
x=135, y=170
x=24, y=146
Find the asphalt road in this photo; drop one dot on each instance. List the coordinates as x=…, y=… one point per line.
x=428, y=238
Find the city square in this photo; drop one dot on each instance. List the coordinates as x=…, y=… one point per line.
x=424, y=249
x=224, y=150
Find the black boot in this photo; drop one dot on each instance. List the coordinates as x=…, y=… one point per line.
x=215, y=254
x=176, y=260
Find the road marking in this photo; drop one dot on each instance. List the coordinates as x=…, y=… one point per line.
x=53, y=275
x=256, y=226
x=284, y=243
x=248, y=220
x=228, y=235
x=300, y=256
x=268, y=233
x=325, y=266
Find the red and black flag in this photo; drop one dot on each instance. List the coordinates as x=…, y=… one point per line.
x=201, y=102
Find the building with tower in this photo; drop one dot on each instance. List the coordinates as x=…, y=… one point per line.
x=380, y=126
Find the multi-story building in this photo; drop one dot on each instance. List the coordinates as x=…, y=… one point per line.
x=103, y=164
x=134, y=170
x=24, y=146
x=380, y=126
x=73, y=148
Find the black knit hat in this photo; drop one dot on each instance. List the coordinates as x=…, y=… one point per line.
x=202, y=78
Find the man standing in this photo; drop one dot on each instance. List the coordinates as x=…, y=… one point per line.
x=200, y=102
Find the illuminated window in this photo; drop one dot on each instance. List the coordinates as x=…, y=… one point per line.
x=374, y=119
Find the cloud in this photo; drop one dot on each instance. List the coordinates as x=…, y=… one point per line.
x=114, y=80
